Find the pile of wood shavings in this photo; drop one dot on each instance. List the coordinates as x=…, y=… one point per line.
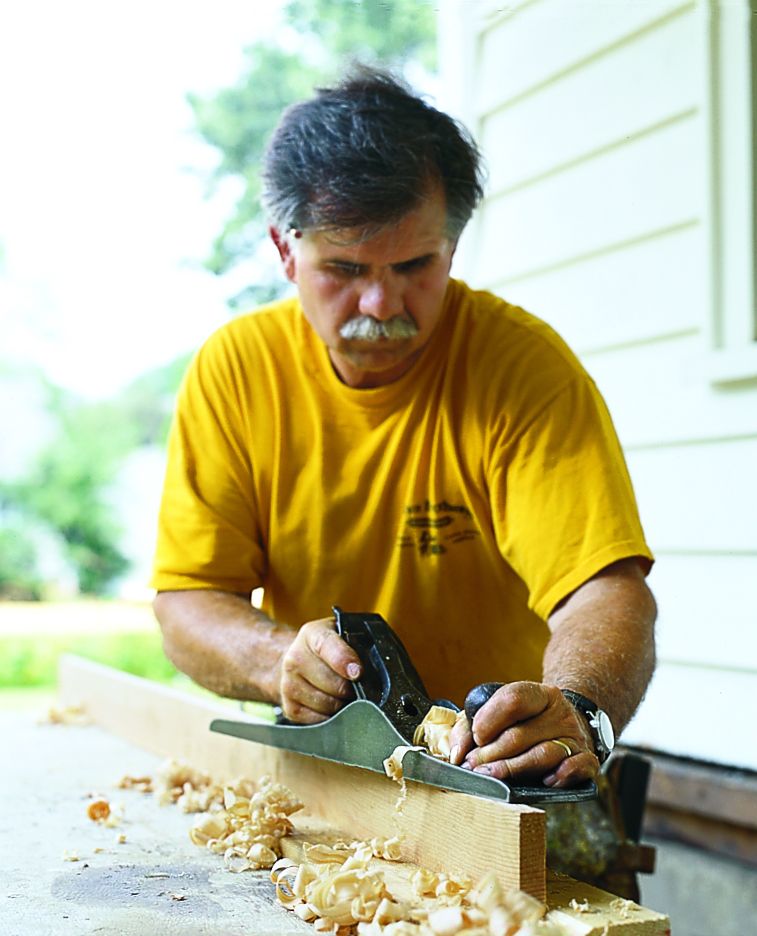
x=240, y=820
x=339, y=893
x=192, y=790
x=248, y=830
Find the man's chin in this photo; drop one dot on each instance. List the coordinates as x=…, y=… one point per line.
x=378, y=355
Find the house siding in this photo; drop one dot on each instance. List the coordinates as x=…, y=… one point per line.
x=617, y=210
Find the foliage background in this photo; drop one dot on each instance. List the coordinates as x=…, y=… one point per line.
x=65, y=494
x=65, y=500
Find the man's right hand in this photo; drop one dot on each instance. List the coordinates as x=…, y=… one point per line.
x=316, y=673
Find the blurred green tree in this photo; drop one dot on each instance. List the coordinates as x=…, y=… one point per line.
x=238, y=120
x=20, y=579
x=67, y=487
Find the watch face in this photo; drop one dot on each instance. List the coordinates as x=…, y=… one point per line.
x=604, y=729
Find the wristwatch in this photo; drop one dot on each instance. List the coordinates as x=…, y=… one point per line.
x=599, y=723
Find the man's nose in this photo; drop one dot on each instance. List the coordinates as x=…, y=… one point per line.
x=381, y=298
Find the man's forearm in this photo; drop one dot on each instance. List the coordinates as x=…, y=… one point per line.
x=602, y=642
x=223, y=643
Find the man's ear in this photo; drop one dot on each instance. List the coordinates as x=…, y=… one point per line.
x=288, y=259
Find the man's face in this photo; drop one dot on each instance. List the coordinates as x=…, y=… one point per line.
x=375, y=301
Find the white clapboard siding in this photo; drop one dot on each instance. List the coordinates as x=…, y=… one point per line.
x=648, y=185
x=699, y=712
x=700, y=497
x=657, y=395
x=603, y=217
x=707, y=609
x=640, y=292
x=568, y=31
x=603, y=104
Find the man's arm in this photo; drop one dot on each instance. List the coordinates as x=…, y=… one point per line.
x=225, y=644
x=602, y=645
x=602, y=642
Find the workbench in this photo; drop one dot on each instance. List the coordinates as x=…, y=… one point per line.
x=144, y=875
x=156, y=881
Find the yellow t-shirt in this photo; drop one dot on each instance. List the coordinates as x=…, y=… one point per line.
x=461, y=502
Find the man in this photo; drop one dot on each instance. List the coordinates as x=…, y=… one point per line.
x=392, y=441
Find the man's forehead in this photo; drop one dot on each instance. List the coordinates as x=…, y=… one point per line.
x=428, y=209
x=421, y=231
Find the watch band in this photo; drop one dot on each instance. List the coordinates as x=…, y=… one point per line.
x=599, y=723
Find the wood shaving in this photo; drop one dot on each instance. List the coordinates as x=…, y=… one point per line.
x=143, y=784
x=70, y=856
x=434, y=731
x=98, y=810
x=624, y=908
x=580, y=906
x=393, y=763
x=353, y=897
x=65, y=715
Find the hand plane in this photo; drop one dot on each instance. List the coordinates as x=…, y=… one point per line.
x=390, y=702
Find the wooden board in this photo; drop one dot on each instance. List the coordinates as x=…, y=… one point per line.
x=442, y=830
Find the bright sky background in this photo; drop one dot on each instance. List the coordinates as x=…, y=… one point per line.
x=103, y=224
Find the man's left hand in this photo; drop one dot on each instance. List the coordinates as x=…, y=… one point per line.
x=524, y=732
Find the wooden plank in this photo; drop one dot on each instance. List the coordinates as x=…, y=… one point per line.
x=656, y=78
x=583, y=910
x=647, y=185
x=698, y=712
x=545, y=39
x=442, y=830
x=605, y=301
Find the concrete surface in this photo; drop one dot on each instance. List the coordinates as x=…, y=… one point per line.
x=48, y=775
x=703, y=894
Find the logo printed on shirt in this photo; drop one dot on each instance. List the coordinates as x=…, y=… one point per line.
x=432, y=528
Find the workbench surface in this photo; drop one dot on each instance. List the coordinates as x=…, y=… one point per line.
x=48, y=778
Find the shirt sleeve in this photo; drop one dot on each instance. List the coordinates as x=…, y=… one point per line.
x=562, y=499
x=208, y=530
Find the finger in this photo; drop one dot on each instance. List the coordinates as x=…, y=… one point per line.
x=301, y=663
x=325, y=643
x=303, y=702
x=522, y=737
x=513, y=703
x=461, y=739
x=543, y=758
x=574, y=770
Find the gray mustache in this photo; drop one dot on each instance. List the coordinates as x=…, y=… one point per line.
x=365, y=328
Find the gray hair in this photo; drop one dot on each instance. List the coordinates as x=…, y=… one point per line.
x=362, y=154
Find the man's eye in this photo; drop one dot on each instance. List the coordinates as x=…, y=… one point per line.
x=345, y=269
x=410, y=266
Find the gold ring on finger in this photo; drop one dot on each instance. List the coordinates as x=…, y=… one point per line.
x=564, y=746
